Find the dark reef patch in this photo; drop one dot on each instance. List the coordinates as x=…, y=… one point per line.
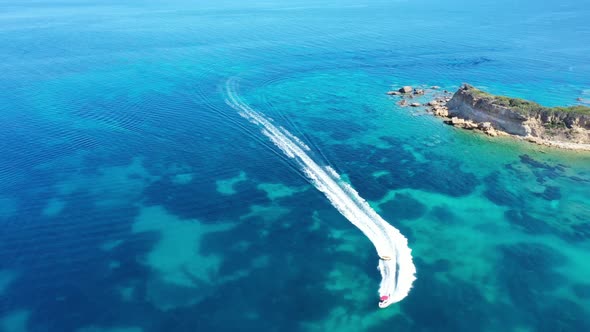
x=68, y=255
x=543, y=171
x=404, y=171
x=436, y=177
x=443, y=214
x=528, y=273
x=298, y=259
x=442, y=302
x=582, y=291
x=497, y=192
x=529, y=161
x=201, y=199
x=527, y=222
x=528, y=277
x=561, y=315
x=551, y=193
x=403, y=207
x=580, y=232
x=579, y=179
x=543, y=175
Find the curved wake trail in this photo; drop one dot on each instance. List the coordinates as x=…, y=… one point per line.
x=396, y=264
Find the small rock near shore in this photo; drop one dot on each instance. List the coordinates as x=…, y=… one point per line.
x=487, y=128
x=485, y=125
x=415, y=104
x=462, y=123
x=394, y=93
x=406, y=89
x=419, y=91
x=440, y=111
x=455, y=121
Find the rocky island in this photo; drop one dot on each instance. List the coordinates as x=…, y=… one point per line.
x=474, y=109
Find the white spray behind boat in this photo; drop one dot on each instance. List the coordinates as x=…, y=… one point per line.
x=395, y=264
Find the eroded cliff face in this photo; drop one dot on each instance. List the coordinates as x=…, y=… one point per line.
x=471, y=104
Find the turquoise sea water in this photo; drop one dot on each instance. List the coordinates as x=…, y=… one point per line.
x=133, y=198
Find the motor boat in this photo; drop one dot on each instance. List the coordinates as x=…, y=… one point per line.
x=384, y=298
x=384, y=301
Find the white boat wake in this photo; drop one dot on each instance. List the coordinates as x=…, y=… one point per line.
x=395, y=264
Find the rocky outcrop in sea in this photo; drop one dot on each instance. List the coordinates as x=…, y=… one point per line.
x=473, y=109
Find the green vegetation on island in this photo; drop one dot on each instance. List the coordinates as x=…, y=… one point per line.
x=522, y=106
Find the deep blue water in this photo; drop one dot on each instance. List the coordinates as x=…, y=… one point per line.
x=133, y=198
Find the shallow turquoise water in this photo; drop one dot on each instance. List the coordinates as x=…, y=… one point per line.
x=133, y=198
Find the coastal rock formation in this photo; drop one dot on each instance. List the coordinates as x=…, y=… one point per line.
x=487, y=128
x=467, y=105
x=471, y=108
x=406, y=89
x=441, y=111
x=462, y=123
x=522, y=118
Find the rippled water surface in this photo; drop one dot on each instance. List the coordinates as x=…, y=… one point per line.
x=133, y=198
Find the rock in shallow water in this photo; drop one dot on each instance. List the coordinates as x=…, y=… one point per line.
x=440, y=111
x=406, y=89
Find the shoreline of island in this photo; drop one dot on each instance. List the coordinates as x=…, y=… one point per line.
x=470, y=108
